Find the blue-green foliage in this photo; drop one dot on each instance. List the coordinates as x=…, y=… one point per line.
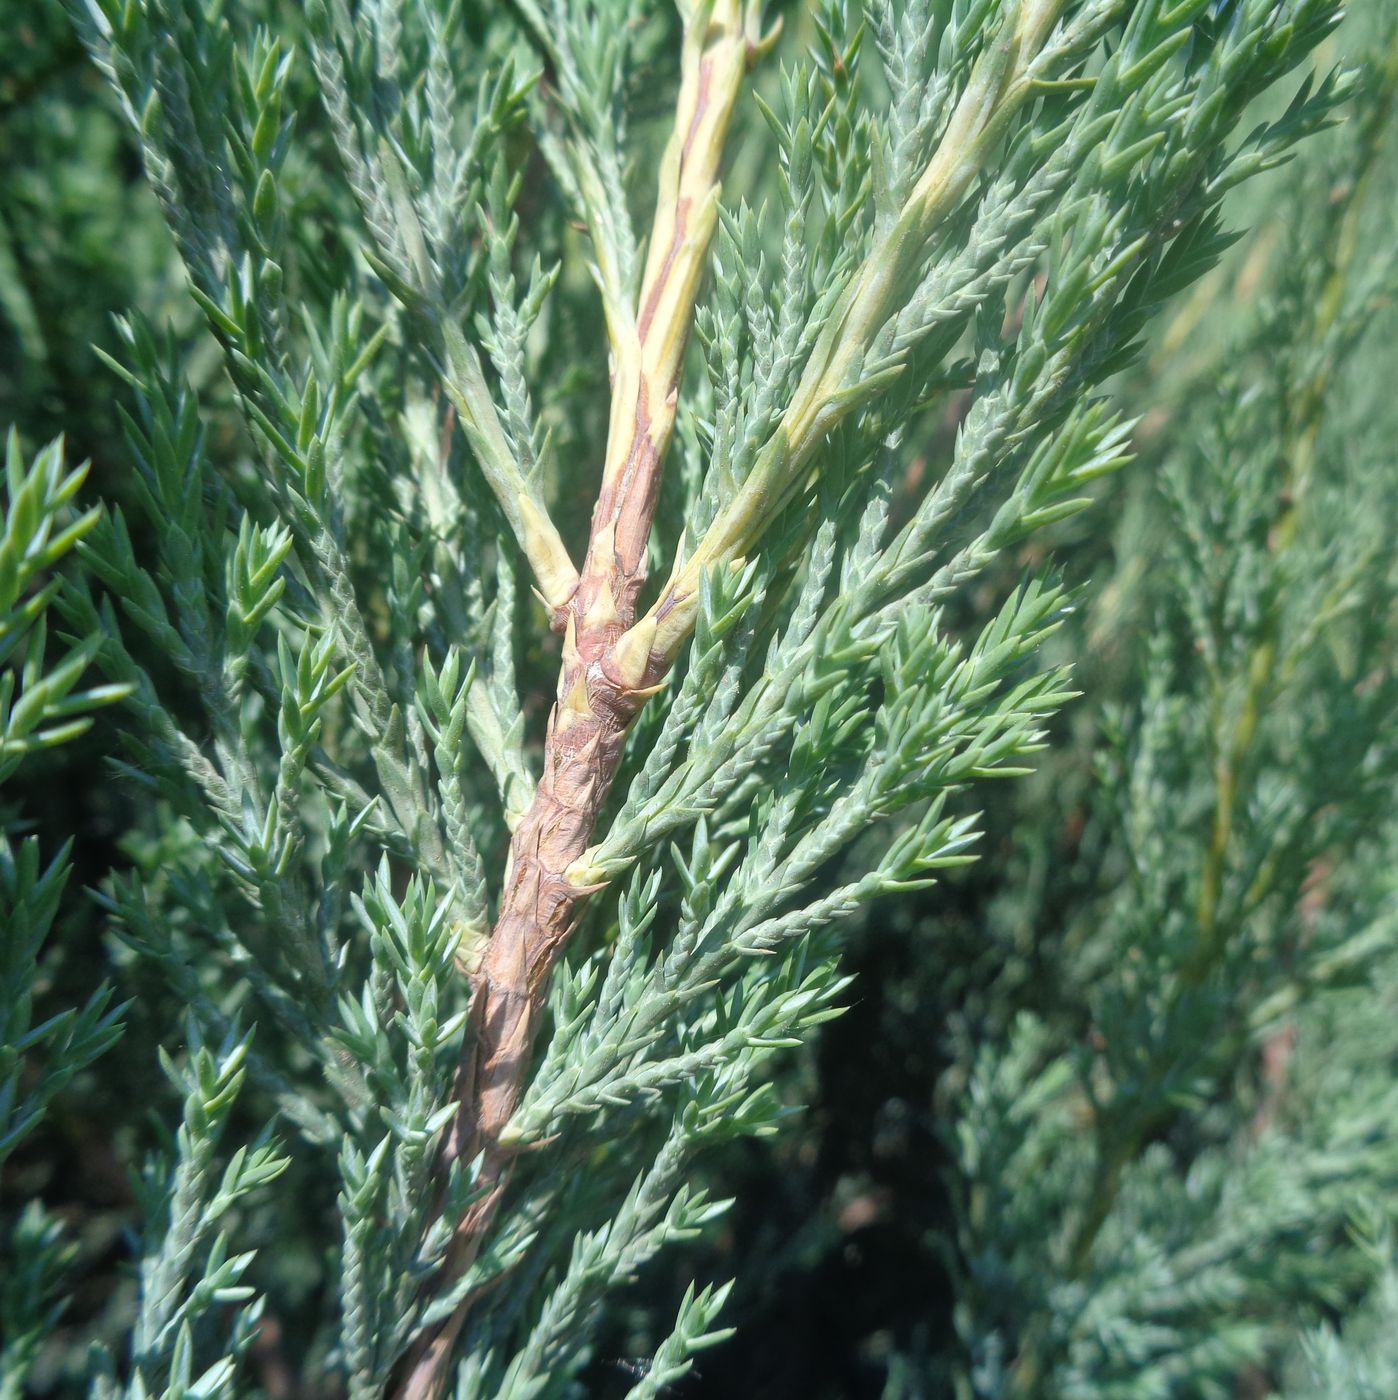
x=41, y=706
x=396, y=221
x=1186, y=1148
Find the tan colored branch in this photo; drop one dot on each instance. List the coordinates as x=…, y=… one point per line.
x=607, y=669
x=648, y=351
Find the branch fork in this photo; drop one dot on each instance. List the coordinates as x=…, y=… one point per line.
x=612, y=661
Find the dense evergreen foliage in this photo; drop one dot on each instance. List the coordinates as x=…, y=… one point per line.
x=846, y=853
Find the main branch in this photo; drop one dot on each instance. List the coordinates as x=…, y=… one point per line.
x=607, y=670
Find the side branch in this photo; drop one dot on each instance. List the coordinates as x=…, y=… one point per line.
x=845, y=369
x=463, y=379
x=523, y=507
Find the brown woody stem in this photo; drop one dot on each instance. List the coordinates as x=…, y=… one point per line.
x=608, y=669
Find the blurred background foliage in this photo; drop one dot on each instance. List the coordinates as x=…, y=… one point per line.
x=1212, y=1213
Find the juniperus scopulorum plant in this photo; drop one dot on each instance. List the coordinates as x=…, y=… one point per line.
x=511, y=976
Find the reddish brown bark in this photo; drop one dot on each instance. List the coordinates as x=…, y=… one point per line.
x=608, y=670
x=539, y=909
